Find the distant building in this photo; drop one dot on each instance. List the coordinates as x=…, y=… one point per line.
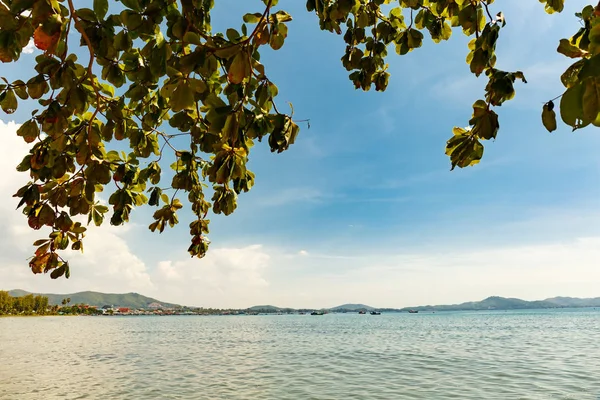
x=155, y=305
x=123, y=310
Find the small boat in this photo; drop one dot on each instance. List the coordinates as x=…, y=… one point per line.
x=375, y=313
x=413, y=311
x=316, y=313
x=362, y=312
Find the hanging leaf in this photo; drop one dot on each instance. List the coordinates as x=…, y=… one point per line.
x=549, y=116
x=565, y=47
x=239, y=68
x=8, y=101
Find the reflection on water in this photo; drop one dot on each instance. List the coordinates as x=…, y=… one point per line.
x=533, y=355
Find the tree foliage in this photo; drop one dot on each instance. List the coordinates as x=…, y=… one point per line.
x=159, y=80
x=27, y=305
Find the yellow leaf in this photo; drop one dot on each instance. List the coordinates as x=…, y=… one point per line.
x=239, y=68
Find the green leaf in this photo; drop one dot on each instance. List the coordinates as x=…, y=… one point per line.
x=571, y=76
x=133, y=4
x=594, y=39
x=20, y=89
x=415, y=38
x=101, y=8
x=582, y=70
x=58, y=272
x=553, y=6
x=276, y=40
x=9, y=102
x=571, y=105
x=37, y=86
x=233, y=35
x=122, y=41
x=183, y=98
x=486, y=125
x=565, y=47
x=591, y=99
x=87, y=14
x=192, y=38
x=18, y=6
x=78, y=98
x=281, y=16
x=29, y=131
x=252, y=18
x=227, y=52
x=464, y=149
x=239, y=68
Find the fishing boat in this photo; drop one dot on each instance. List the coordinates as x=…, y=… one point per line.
x=362, y=312
x=375, y=313
x=413, y=311
x=316, y=313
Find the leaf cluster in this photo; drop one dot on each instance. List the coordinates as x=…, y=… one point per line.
x=160, y=83
x=158, y=80
x=580, y=102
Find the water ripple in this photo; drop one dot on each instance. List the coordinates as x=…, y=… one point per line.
x=525, y=355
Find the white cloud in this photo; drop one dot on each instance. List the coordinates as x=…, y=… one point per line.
x=30, y=48
x=458, y=88
x=225, y=277
x=108, y=264
x=567, y=268
x=303, y=253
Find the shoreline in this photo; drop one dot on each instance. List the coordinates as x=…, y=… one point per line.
x=423, y=312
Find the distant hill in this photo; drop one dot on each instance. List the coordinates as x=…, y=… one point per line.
x=574, y=302
x=491, y=303
x=503, y=303
x=135, y=300
x=131, y=300
x=352, y=307
x=265, y=308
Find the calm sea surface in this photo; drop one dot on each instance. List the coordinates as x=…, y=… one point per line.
x=485, y=355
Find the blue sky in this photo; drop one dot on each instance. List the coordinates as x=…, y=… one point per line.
x=364, y=208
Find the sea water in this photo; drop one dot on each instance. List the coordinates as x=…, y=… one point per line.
x=534, y=355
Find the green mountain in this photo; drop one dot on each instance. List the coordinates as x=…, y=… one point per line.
x=574, y=302
x=135, y=300
x=131, y=300
x=491, y=303
x=267, y=309
x=352, y=307
x=496, y=303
